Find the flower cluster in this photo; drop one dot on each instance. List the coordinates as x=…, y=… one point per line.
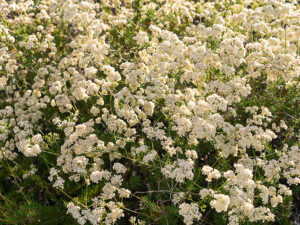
x=154, y=108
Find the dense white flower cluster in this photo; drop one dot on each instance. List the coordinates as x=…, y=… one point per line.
x=220, y=203
x=211, y=173
x=190, y=212
x=96, y=215
x=184, y=170
x=156, y=91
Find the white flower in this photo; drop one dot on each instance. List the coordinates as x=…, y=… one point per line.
x=119, y=168
x=97, y=176
x=3, y=81
x=150, y=156
x=141, y=38
x=220, y=203
x=80, y=93
x=177, y=197
x=124, y=193
x=190, y=212
x=149, y=108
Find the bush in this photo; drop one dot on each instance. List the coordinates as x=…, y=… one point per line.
x=149, y=112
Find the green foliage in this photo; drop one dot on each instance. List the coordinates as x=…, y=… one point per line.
x=31, y=201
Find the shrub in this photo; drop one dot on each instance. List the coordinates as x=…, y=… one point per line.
x=149, y=112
